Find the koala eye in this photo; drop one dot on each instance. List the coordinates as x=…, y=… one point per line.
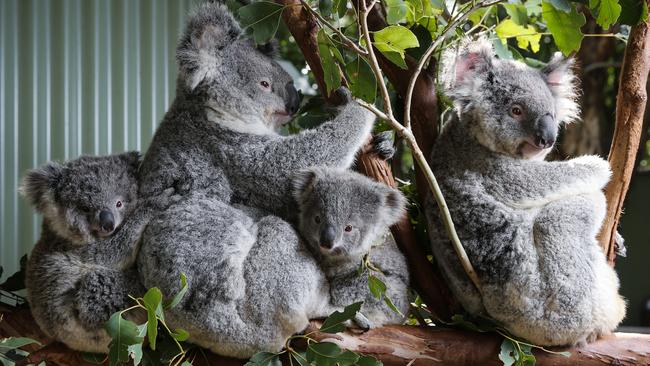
x=348, y=228
x=317, y=219
x=266, y=85
x=516, y=110
x=118, y=204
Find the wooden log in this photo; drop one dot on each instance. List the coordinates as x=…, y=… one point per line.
x=630, y=106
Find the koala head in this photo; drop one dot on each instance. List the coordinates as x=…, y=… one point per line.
x=509, y=107
x=242, y=84
x=86, y=198
x=342, y=212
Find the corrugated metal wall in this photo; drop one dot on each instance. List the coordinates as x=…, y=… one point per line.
x=77, y=77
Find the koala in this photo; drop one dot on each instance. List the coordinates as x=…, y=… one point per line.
x=343, y=217
x=81, y=269
x=529, y=226
x=218, y=148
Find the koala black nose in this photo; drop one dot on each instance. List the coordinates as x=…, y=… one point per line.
x=545, y=132
x=106, y=221
x=327, y=237
x=292, y=99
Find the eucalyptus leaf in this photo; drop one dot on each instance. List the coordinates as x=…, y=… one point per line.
x=562, y=5
x=525, y=35
x=363, y=83
x=264, y=359
x=605, y=11
x=179, y=295
x=153, y=302
x=15, y=342
x=565, y=27
x=517, y=13
x=377, y=287
x=368, y=361
x=263, y=18
x=135, y=352
x=323, y=353
x=123, y=334
x=325, y=7
x=334, y=322
x=507, y=353
x=330, y=68
x=300, y=359
x=633, y=12
x=396, y=11
x=180, y=335
x=395, y=39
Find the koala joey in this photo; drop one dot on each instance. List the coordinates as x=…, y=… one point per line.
x=80, y=270
x=343, y=217
x=528, y=226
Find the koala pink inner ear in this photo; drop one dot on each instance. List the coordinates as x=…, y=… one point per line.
x=468, y=64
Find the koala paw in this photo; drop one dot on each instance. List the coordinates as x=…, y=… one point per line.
x=382, y=145
x=342, y=96
x=362, y=322
x=598, y=166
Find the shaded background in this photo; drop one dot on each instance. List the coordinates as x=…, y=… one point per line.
x=95, y=77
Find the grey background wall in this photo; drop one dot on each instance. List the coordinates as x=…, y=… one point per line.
x=96, y=76
x=77, y=77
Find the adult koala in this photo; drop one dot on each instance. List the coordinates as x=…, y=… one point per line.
x=218, y=147
x=528, y=225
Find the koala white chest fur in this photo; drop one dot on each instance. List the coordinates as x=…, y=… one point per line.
x=529, y=226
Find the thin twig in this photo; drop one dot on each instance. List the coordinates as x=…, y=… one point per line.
x=353, y=46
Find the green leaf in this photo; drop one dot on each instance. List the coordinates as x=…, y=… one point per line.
x=180, y=335
x=179, y=295
x=263, y=17
x=564, y=27
x=264, y=359
x=392, y=306
x=368, y=361
x=341, y=7
x=395, y=11
x=633, y=12
x=377, y=287
x=396, y=58
x=526, y=36
x=153, y=302
x=330, y=69
x=562, y=5
x=533, y=7
x=135, y=352
x=363, y=83
x=396, y=39
x=10, y=343
x=123, y=333
x=508, y=352
x=334, y=322
x=300, y=358
x=323, y=354
x=95, y=358
x=606, y=12
x=517, y=13
x=325, y=7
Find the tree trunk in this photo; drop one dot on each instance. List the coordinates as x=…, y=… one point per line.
x=630, y=105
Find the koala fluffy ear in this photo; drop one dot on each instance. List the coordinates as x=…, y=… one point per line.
x=38, y=184
x=270, y=48
x=462, y=64
x=394, y=204
x=132, y=158
x=561, y=80
x=303, y=183
x=210, y=28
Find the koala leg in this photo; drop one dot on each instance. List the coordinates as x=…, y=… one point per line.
x=103, y=292
x=579, y=290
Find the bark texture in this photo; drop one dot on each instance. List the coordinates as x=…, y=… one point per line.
x=630, y=106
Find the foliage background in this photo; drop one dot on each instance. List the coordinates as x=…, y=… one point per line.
x=95, y=77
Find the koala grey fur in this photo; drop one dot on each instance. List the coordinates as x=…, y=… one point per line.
x=342, y=216
x=218, y=148
x=529, y=226
x=81, y=269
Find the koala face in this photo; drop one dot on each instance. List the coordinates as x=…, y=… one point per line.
x=86, y=198
x=236, y=79
x=342, y=212
x=509, y=107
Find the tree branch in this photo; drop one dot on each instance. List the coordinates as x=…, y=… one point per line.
x=630, y=106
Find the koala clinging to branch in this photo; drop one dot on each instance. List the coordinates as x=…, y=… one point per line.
x=218, y=147
x=343, y=215
x=80, y=271
x=528, y=225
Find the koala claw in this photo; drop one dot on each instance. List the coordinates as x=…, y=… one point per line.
x=619, y=245
x=342, y=96
x=362, y=322
x=382, y=145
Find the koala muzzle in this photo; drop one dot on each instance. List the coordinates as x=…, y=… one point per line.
x=545, y=132
x=327, y=237
x=106, y=221
x=292, y=99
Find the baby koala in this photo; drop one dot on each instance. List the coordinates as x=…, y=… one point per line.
x=344, y=217
x=80, y=270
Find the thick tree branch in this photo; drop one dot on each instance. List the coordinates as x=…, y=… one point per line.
x=630, y=105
